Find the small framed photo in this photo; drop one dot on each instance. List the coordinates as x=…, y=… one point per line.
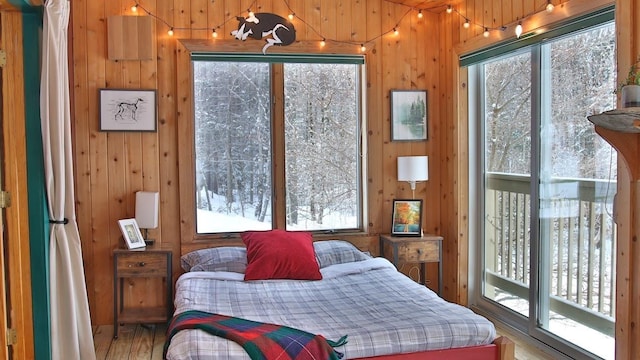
x=409, y=113
x=407, y=218
x=127, y=110
x=131, y=233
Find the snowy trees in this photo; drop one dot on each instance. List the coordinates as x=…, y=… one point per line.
x=234, y=131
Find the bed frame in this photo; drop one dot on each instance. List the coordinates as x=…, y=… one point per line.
x=502, y=348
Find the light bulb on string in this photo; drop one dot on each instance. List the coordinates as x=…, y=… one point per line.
x=291, y=16
x=466, y=24
x=449, y=9
x=323, y=42
x=519, y=29
x=363, y=48
x=486, y=32
x=214, y=34
x=134, y=8
x=251, y=14
x=420, y=14
x=549, y=6
x=170, y=32
x=395, y=31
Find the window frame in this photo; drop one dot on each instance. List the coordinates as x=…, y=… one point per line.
x=190, y=239
x=537, y=47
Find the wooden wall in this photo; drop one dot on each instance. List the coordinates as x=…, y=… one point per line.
x=111, y=167
x=628, y=196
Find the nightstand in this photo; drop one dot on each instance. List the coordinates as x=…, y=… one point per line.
x=144, y=263
x=418, y=249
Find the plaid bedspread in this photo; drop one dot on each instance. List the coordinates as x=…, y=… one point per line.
x=262, y=341
x=383, y=312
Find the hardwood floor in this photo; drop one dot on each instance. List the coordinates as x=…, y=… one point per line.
x=134, y=342
x=145, y=342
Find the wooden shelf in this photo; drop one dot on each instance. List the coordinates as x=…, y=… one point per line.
x=624, y=120
x=138, y=315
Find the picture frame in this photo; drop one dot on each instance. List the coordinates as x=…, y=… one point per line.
x=407, y=217
x=128, y=110
x=409, y=115
x=131, y=233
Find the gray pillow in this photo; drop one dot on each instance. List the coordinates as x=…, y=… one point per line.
x=332, y=252
x=233, y=259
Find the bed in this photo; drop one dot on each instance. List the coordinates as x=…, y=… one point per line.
x=383, y=313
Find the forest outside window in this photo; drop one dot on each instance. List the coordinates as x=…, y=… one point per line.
x=277, y=144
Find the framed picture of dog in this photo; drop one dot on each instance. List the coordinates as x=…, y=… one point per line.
x=127, y=110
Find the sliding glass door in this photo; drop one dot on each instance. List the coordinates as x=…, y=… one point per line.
x=547, y=252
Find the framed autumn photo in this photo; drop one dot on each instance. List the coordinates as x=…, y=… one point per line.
x=407, y=218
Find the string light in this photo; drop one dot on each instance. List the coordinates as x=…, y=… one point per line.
x=519, y=29
x=450, y=9
x=395, y=31
x=549, y=6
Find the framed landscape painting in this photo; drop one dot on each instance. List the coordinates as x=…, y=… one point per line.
x=409, y=115
x=407, y=218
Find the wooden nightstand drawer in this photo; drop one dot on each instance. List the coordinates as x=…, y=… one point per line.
x=143, y=264
x=419, y=252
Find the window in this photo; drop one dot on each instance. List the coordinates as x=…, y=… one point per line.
x=277, y=138
x=547, y=251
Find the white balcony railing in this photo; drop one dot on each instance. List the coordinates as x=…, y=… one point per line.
x=579, y=235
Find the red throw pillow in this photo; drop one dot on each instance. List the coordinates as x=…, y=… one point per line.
x=280, y=254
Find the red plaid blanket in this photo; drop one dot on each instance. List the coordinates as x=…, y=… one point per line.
x=261, y=341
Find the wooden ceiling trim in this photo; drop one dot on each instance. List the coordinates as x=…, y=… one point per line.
x=436, y=6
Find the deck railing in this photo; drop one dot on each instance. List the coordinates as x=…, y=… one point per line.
x=579, y=247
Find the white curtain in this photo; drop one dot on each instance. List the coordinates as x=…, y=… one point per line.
x=71, y=334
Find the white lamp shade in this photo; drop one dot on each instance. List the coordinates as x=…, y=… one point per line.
x=147, y=205
x=413, y=168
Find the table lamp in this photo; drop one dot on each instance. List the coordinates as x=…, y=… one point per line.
x=413, y=169
x=147, y=206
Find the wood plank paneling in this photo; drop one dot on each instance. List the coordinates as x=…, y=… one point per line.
x=115, y=165
x=627, y=212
